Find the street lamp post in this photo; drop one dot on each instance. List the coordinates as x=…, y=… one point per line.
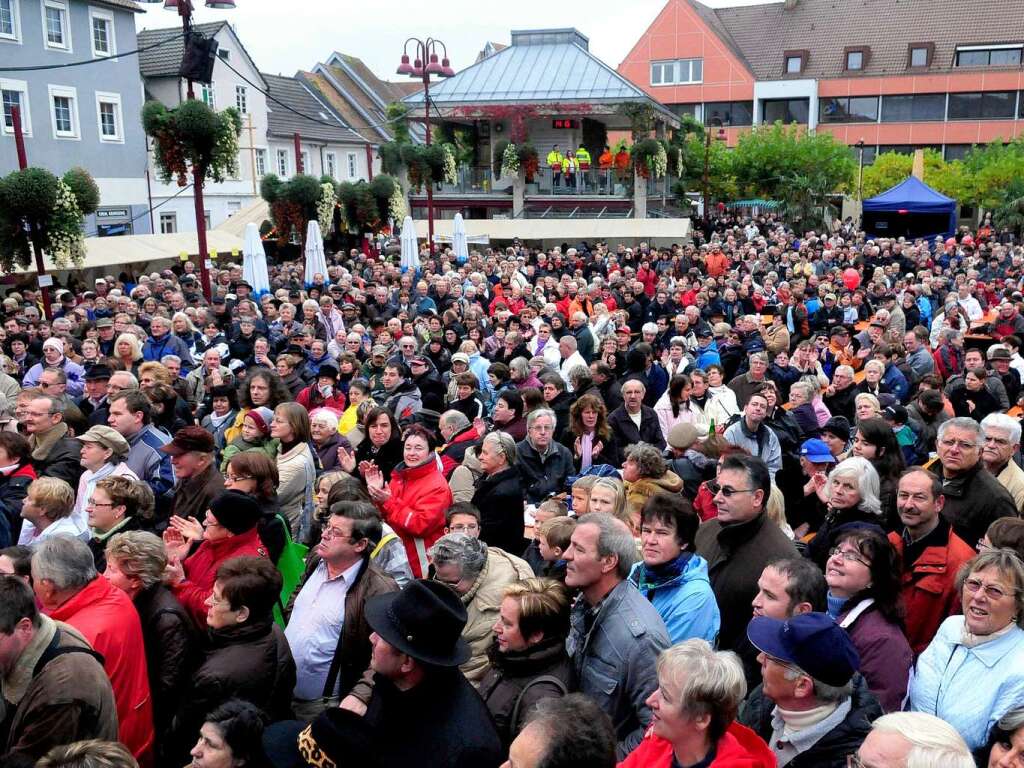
x=719, y=136
x=860, y=173
x=425, y=65
x=184, y=9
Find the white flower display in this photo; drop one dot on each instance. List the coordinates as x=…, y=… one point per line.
x=510, y=161
x=66, y=244
x=450, y=171
x=325, y=207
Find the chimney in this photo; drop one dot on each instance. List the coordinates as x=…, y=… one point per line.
x=790, y=5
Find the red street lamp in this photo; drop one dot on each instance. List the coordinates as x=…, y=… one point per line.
x=426, y=51
x=184, y=9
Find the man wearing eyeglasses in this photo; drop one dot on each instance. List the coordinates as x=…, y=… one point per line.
x=740, y=542
x=1001, y=435
x=54, y=452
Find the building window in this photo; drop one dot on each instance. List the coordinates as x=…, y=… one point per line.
x=919, y=55
x=168, y=223
x=870, y=152
x=995, y=56
x=206, y=94
x=955, y=152
x=224, y=53
x=108, y=111
x=9, y=20
x=331, y=165
x=208, y=219
x=14, y=93
x=102, y=33
x=785, y=110
x=55, y=25
x=855, y=109
x=856, y=59
x=794, y=62
x=306, y=167
x=242, y=99
x=261, y=163
x=64, y=112
x=913, y=109
x=353, y=169
x=678, y=72
x=282, y=162
x=729, y=113
x=1020, y=109
x=996, y=105
x=234, y=206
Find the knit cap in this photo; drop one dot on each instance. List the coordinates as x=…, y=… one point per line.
x=261, y=418
x=236, y=511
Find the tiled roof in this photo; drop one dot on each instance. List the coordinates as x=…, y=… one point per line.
x=339, y=104
x=128, y=5
x=165, y=60
x=826, y=27
x=292, y=92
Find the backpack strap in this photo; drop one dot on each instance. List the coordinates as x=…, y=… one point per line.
x=53, y=651
x=551, y=679
x=385, y=540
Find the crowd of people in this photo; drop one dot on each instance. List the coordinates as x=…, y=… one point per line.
x=754, y=500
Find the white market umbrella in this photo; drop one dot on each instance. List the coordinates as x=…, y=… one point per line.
x=459, y=243
x=254, y=261
x=410, y=249
x=316, y=262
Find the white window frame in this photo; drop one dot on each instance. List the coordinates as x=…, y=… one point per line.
x=208, y=217
x=858, y=68
x=307, y=162
x=208, y=95
x=108, y=17
x=64, y=7
x=283, y=163
x=261, y=162
x=669, y=71
x=800, y=65
x=54, y=91
x=15, y=36
x=168, y=217
x=234, y=206
x=21, y=86
x=242, y=99
x=115, y=99
x=331, y=161
x=924, y=50
x=353, y=165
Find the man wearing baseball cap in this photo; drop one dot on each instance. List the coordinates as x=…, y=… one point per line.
x=198, y=480
x=812, y=707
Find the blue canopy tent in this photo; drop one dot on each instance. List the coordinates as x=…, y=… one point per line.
x=911, y=209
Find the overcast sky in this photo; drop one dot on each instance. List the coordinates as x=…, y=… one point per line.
x=284, y=36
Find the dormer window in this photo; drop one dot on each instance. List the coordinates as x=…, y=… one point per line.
x=855, y=59
x=794, y=62
x=989, y=55
x=919, y=55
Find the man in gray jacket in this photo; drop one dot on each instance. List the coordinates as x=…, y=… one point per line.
x=616, y=634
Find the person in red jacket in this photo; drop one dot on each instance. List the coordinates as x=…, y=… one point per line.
x=693, y=713
x=414, y=502
x=70, y=591
x=324, y=392
x=229, y=530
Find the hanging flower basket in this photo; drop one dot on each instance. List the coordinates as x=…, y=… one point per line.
x=510, y=161
x=450, y=170
x=192, y=136
x=325, y=207
x=650, y=159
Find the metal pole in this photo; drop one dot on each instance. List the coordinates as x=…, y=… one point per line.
x=19, y=142
x=297, y=139
x=426, y=125
x=860, y=175
x=707, y=182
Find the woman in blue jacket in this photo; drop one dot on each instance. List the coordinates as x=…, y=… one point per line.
x=672, y=575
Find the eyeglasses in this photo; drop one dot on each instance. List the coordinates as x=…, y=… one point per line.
x=464, y=527
x=849, y=556
x=235, y=478
x=727, y=490
x=963, y=445
x=992, y=591
x=334, y=533
x=94, y=503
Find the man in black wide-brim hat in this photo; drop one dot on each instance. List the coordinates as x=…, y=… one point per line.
x=423, y=711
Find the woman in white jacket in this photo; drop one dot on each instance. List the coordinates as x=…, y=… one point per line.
x=296, y=466
x=676, y=407
x=720, y=403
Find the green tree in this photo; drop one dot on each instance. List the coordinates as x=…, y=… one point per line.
x=993, y=168
x=890, y=168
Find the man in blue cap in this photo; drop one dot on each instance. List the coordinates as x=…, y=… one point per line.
x=812, y=707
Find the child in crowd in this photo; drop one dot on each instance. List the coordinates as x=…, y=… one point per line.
x=547, y=510
x=898, y=417
x=467, y=396
x=553, y=539
x=255, y=437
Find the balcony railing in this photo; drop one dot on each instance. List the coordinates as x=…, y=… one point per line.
x=471, y=180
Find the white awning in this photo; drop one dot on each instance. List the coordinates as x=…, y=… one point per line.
x=663, y=231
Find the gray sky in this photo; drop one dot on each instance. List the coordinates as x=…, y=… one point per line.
x=284, y=36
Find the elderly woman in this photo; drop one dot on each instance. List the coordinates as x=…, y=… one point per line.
x=1006, y=740
x=863, y=575
x=103, y=453
x=527, y=656
x=588, y=435
x=116, y=504
x=646, y=473
x=47, y=512
x=851, y=494
x=873, y=384
x=499, y=493
x=479, y=575
x=801, y=401
x=53, y=357
x=414, y=501
x=128, y=352
x=323, y=426
x=135, y=565
x=866, y=406
x=694, y=712
x=972, y=673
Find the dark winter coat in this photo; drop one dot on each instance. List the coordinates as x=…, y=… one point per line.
x=974, y=499
x=500, y=499
x=543, y=477
x=625, y=432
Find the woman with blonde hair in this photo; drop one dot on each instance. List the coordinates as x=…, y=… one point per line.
x=296, y=466
x=866, y=406
x=608, y=494
x=128, y=352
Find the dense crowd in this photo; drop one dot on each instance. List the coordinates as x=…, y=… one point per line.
x=749, y=501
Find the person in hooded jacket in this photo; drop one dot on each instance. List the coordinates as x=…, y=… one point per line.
x=672, y=575
x=16, y=475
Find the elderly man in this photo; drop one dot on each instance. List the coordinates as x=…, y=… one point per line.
x=931, y=555
x=543, y=463
x=54, y=452
x=327, y=629
x=750, y=432
x=569, y=358
x=198, y=481
x=94, y=405
x=580, y=327
x=633, y=422
x=812, y=708
x=56, y=687
x=740, y=542
x=459, y=435
x=564, y=732
x=974, y=498
x=70, y=591
x=616, y=633
x=479, y=575
x=1001, y=439
x=162, y=342
x=909, y=739
x=130, y=416
x=750, y=382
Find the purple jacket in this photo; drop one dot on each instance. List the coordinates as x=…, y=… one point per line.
x=885, y=655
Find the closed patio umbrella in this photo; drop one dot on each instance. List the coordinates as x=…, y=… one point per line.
x=410, y=249
x=316, y=262
x=459, y=242
x=254, y=261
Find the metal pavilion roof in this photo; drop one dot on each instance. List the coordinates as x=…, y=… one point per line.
x=549, y=65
